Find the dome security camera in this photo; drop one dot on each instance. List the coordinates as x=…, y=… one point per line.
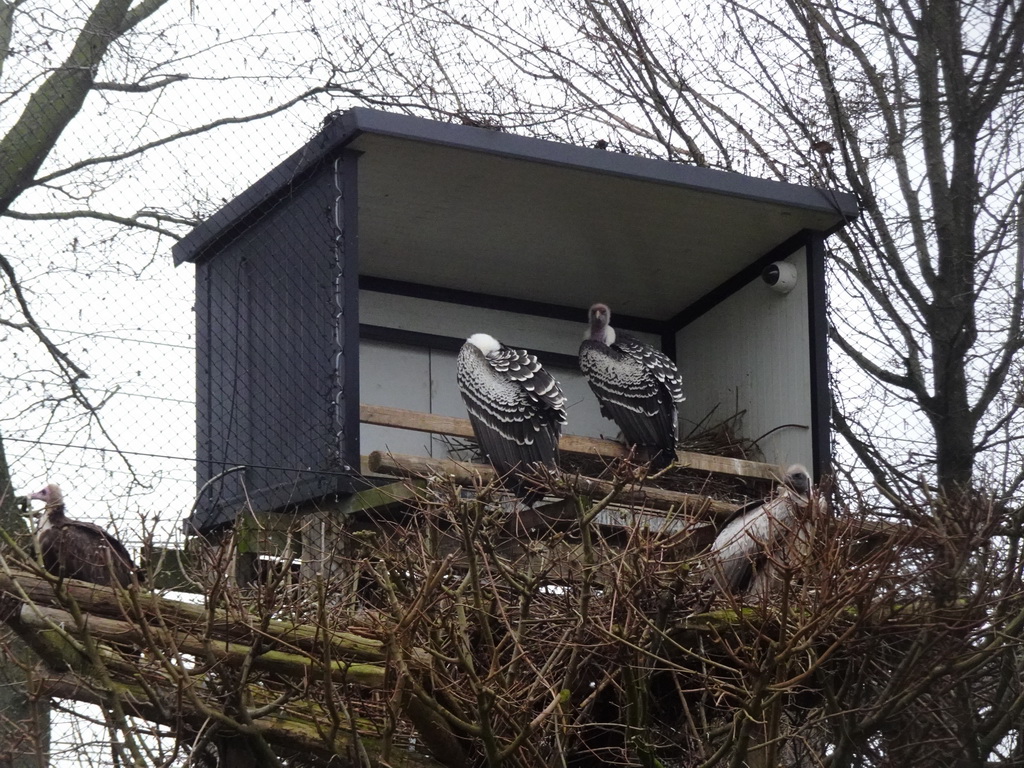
x=780, y=276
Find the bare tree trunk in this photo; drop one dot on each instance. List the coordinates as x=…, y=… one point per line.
x=24, y=718
x=56, y=102
x=952, y=318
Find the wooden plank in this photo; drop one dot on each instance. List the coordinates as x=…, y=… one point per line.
x=191, y=640
x=383, y=415
x=702, y=462
x=465, y=473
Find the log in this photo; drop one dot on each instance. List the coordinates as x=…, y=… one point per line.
x=469, y=474
x=227, y=653
x=38, y=619
x=385, y=416
x=293, y=732
x=405, y=465
x=689, y=504
x=104, y=601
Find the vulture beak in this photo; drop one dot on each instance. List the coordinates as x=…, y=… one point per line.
x=27, y=510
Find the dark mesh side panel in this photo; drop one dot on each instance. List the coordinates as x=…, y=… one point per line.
x=266, y=359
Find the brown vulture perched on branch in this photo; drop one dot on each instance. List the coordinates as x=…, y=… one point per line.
x=72, y=549
x=517, y=409
x=637, y=385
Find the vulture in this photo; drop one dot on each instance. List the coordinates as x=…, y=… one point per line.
x=72, y=549
x=637, y=385
x=742, y=557
x=517, y=409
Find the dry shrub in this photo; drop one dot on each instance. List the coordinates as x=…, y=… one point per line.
x=582, y=643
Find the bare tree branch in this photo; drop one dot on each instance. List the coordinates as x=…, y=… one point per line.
x=133, y=223
x=140, y=87
x=55, y=103
x=108, y=159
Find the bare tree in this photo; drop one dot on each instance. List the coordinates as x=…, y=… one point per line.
x=913, y=107
x=93, y=97
x=472, y=649
x=24, y=716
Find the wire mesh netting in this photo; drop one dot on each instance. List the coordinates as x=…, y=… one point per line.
x=90, y=241
x=112, y=352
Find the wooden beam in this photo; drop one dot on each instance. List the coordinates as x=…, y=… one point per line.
x=466, y=473
x=191, y=641
x=297, y=729
x=385, y=416
x=111, y=602
x=381, y=498
x=710, y=512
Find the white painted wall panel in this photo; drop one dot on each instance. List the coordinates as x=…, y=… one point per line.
x=399, y=376
x=420, y=379
x=447, y=319
x=752, y=353
x=445, y=398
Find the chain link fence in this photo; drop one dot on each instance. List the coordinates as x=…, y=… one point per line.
x=115, y=425
x=218, y=97
x=98, y=326
x=91, y=245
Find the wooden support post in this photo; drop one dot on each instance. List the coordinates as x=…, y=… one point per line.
x=327, y=556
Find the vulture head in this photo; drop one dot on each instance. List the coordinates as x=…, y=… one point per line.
x=797, y=479
x=486, y=343
x=50, y=495
x=600, y=317
x=53, y=511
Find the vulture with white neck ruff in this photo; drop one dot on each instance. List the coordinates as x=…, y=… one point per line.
x=73, y=549
x=637, y=385
x=517, y=409
x=742, y=557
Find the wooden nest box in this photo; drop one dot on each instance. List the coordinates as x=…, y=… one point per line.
x=352, y=273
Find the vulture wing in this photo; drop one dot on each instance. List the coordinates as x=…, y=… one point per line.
x=540, y=386
x=626, y=381
x=79, y=550
x=657, y=362
x=742, y=546
x=516, y=408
